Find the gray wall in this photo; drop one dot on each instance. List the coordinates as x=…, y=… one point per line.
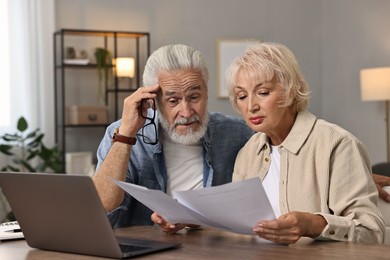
x=332, y=40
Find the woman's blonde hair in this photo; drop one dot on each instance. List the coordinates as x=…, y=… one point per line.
x=267, y=61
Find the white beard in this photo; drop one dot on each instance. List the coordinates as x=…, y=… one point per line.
x=190, y=137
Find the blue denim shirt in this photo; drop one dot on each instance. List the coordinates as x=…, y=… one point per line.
x=224, y=137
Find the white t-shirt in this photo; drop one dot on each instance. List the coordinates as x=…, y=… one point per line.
x=271, y=181
x=184, y=164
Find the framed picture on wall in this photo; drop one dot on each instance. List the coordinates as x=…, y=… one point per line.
x=227, y=51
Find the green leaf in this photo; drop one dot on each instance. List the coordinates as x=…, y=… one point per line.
x=22, y=124
x=11, y=137
x=13, y=168
x=36, y=141
x=28, y=166
x=45, y=153
x=31, y=155
x=6, y=149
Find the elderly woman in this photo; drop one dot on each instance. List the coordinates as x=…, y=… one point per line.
x=316, y=174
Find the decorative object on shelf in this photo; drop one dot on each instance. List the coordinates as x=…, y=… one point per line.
x=70, y=53
x=76, y=61
x=83, y=54
x=103, y=63
x=28, y=151
x=375, y=86
x=87, y=115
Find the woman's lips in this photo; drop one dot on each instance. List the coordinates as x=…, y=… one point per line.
x=256, y=120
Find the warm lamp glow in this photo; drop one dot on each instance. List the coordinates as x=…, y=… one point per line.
x=124, y=67
x=375, y=84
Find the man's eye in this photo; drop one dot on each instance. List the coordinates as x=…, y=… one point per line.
x=173, y=101
x=195, y=98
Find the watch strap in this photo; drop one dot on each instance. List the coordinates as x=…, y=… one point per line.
x=123, y=139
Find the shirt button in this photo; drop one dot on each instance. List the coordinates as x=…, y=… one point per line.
x=332, y=232
x=266, y=159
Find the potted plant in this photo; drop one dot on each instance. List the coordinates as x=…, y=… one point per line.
x=104, y=64
x=28, y=151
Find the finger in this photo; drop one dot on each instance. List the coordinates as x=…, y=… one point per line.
x=285, y=239
x=148, y=91
x=156, y=218
x=383, y=194
x=273, y=224
x=170, y=228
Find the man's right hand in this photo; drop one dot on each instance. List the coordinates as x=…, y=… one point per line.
x=167, y=227
x=133, y=106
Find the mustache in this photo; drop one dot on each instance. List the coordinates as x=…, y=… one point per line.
x=183, y=121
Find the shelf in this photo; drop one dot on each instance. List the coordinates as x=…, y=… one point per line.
x=102, y=33
x=74, y=88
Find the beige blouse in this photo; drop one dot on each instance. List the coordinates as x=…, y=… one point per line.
x=324, y=170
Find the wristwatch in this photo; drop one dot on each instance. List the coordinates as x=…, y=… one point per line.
x=123, y=139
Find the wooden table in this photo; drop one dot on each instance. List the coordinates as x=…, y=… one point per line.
x=215, y=244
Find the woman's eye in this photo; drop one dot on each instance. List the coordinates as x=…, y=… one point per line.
x=241, y=97
x=263, y=93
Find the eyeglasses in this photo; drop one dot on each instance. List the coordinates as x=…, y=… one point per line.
x=149, y=130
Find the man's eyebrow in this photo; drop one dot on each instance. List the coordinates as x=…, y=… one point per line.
x=197, y=87
x=169, y=93
x=174, y=92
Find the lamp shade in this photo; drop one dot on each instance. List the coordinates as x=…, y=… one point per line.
x=375, y=84
x=124, y=67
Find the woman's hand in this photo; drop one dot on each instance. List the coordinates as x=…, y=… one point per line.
x=380, y=182
x=290, y=227
x=167, y=227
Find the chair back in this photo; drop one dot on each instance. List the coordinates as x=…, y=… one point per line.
x=381, y=168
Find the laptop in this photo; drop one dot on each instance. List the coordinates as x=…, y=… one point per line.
x=61, y=212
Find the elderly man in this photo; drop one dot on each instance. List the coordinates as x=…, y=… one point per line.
x=179, y=146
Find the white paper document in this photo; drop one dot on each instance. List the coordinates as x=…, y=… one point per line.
x=235, y=206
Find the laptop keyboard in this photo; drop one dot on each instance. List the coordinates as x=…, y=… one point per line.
x=132, y=248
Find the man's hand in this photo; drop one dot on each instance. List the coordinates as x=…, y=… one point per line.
x=167, y=227
x=290, y=227
x=133, y=106
x=380, y=182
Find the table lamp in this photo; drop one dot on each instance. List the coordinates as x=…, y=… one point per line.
x=124, y=67
x=375, y=86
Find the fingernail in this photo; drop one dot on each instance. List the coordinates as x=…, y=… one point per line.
x=172, y=226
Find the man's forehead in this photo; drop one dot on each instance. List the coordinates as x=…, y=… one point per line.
x=181, y=81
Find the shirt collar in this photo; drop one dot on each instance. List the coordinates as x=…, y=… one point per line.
x=300, y=131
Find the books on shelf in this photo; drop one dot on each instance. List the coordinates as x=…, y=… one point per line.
x=76, y=61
